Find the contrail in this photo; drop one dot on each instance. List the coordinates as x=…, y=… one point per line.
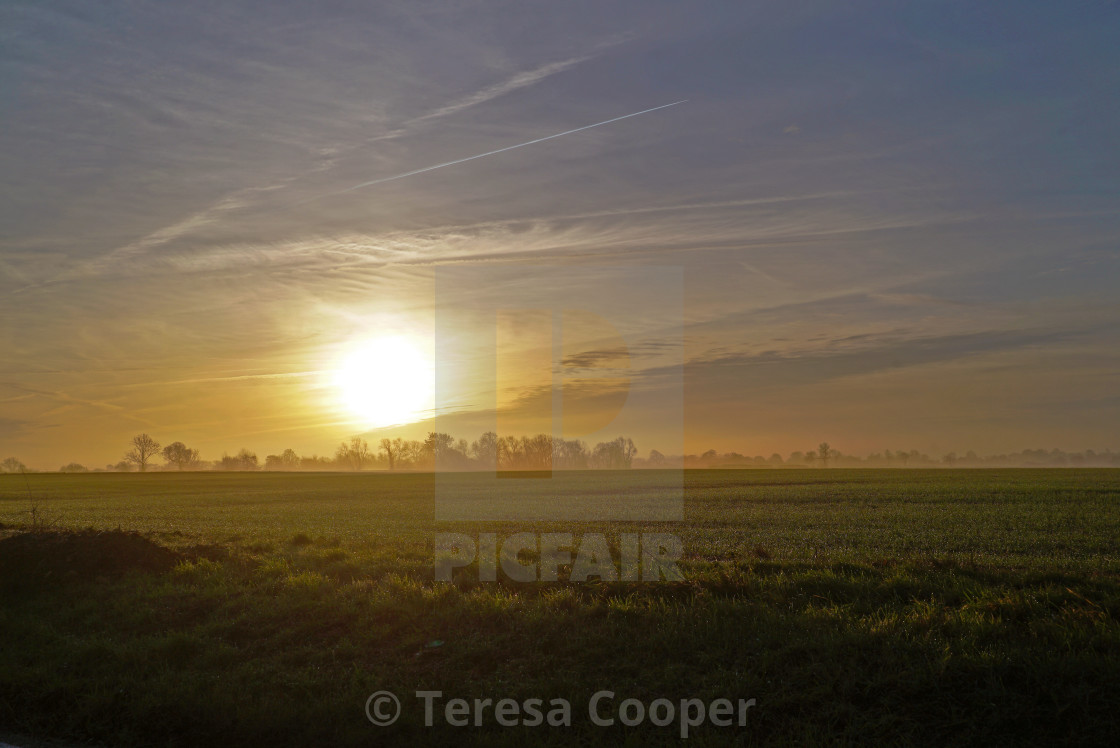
x=502, y=150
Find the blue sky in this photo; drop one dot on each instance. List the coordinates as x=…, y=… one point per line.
x=898, y=222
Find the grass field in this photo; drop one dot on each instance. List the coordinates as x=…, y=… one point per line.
x=860, y=607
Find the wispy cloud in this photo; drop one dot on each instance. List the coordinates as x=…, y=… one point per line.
x=520, y=80
x=222, y=208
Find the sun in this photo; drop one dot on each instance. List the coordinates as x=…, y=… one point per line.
x=385, y=382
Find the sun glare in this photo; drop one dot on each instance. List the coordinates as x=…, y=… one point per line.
x=385, y=381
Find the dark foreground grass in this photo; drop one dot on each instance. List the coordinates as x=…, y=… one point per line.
x=857, y=607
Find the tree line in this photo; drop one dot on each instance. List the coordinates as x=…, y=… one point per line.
x=438, y=451
x=543, y=452
x=826, y=456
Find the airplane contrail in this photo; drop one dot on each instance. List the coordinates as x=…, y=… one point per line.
x=502, y=150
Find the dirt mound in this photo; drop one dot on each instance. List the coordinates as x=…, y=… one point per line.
x=55, y=558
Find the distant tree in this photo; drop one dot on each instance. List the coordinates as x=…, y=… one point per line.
x=616, y=455
x=569, y=454
x=12, y=465
x=775, y=459
x=73, y=467
x=508, y=453
x=246, y=460
x=355, y=454
x=439, y=448
x=243, y=460
x=536, y=451
x=286, y=460
x=485, y=450
x=412, y=453
x=824, y=451
x=315, y=462
x=180, y=455
x=124, y=466
x=391, y=451
x=656, y=459
x=144, y=448
x=360, y=453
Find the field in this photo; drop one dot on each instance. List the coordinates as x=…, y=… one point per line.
x=875, y=607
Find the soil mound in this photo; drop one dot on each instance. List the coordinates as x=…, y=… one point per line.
x=56, y=558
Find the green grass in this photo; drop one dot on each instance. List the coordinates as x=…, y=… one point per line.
x=858, y=607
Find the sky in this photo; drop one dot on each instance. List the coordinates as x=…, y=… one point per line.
x=893, y=224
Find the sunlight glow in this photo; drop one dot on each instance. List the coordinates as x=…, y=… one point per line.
x=385, y=381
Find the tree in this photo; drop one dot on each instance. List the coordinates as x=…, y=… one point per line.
x=12, y=465
x=243, y=460
x=508, y=453
x=617, y=454
x=439, y=446
x=355, y=454
x=485, y=450
x=569, y=454
x=390, y=448
x=824, y=451
x=180, y=455
x=73, y=467
x=537, y=452
x=286, y=460
x=144, y=448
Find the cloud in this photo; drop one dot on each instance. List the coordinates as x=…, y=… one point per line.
x=599, y=358
x=769, y=369
x=214, y=213
x=519, y=81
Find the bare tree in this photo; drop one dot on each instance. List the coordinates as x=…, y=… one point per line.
x=569, y=454
x=356, y=453
x=824, y=451
x=614, y=455
x=410, y=453
x=180, y=455
x=286, y=460
x=390, y=448
x=144, y=448
x=485, y=450
x=439, y=447
x=243, y=460
x=12, y=465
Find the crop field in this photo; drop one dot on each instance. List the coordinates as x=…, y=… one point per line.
x=863, y=607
